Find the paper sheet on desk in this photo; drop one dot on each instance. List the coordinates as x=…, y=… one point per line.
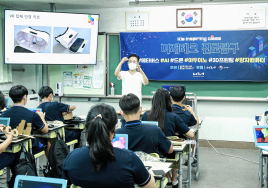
x=263, y=147
x=158, y=166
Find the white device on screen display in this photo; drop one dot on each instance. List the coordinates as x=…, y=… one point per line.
x=59, y=89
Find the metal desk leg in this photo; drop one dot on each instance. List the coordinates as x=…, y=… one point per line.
x=38, y=167
x=8, y=173
x=265, y=172
x=261, y=169
x=197, y=156
x=180, y=170
x=189, y=167
x=162, y=182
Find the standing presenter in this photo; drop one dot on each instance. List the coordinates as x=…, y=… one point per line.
x=133, y=79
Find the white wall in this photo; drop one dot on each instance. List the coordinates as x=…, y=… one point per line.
x=215, y=17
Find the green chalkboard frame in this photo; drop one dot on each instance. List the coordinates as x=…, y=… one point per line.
x=200, y=88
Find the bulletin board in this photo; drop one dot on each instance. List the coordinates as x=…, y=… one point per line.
x=96, y=73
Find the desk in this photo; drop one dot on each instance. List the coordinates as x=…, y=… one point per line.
x=51, y=132
x=75, y=124
x=156, y=166
x=179, y=150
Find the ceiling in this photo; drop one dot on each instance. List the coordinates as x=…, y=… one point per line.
x=96, y=4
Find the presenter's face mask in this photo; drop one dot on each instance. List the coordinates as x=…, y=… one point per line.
x=132, y=66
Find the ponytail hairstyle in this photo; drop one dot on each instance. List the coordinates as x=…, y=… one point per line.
x=101, y=120
x=160, y=104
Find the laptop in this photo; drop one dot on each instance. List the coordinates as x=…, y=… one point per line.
x=150, y=123
x=22, y=181
x=261, y=137
x=120, y=141
x=4, y=121
x=35, y=109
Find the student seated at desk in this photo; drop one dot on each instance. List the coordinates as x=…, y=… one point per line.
x=99, y=165
x=188, y=116
x=146, y=138
x=54, y=111
x=18, y=112
x=6, y=159
x=168, y=122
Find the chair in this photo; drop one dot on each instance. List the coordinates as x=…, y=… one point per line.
x=71, y=144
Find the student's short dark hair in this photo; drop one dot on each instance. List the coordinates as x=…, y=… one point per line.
x=177, y=93
x=134, y=55
x=129, y=104
x=45, y=91
x=17, y=92
x=2, y=101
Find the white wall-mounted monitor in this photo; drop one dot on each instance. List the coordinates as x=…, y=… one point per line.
x=50, y=37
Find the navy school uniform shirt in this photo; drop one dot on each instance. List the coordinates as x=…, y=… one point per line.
x=18, y=113
x=126, y=170
x=146, y=138
x=186, y=116
x=54, y=110
x=173, y=124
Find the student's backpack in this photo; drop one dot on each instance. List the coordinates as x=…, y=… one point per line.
x=83, y=139
x=25, y=165
x=57, y=155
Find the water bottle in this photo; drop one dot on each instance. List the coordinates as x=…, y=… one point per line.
x=112, y=91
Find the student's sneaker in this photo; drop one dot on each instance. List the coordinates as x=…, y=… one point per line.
x=169, y=183
x=175, y=186
x=194, y=163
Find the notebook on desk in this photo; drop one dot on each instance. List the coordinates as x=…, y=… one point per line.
x=261, y=137
x=38, y=182
x=120, y=141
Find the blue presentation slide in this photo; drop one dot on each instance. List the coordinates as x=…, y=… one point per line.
x=199, y=55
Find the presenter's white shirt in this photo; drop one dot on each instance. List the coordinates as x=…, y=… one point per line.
x=132, y=83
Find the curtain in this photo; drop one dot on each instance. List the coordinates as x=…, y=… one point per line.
x=5, y=70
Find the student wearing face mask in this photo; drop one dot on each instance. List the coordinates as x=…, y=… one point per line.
x=133, y=79
x=55, y=111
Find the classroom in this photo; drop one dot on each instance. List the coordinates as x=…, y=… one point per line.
x=213, y=51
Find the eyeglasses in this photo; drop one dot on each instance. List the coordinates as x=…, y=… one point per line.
x=132, y=61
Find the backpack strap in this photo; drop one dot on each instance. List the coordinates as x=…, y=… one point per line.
x=59, y=136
